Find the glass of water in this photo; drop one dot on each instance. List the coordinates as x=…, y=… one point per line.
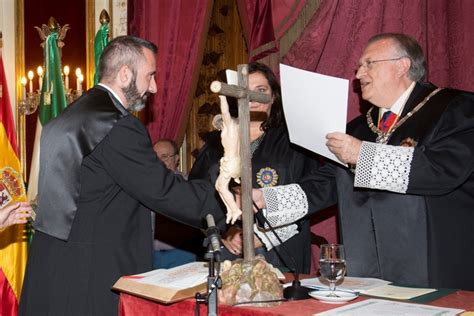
x=332, y=265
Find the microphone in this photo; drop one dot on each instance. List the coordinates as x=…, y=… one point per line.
x=213, y=234
x=295, y=291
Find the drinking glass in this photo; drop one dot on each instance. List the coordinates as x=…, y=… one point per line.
x=332, y=265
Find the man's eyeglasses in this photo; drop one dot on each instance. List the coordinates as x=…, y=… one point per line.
x=166, y=157
x=369, y=64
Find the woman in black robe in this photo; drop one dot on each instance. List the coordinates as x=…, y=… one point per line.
x=275, y=161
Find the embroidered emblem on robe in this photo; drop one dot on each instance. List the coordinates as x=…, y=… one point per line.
x=267, y=177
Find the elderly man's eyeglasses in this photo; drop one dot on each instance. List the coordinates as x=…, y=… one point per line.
x=369, y=64
x=166, y=157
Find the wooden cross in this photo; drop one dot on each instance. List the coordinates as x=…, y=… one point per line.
x=244, y=96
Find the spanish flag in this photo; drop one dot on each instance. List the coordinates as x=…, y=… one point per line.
x=13, y=240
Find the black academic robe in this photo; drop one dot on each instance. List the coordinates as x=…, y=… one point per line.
x=423, y=237
x=284, y=164
x=121, y=180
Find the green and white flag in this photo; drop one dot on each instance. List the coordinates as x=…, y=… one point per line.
x=100, y=42
x=52, y=103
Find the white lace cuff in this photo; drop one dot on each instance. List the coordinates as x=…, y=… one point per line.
x=285, y=204
x=383, y=167
x=269, y=239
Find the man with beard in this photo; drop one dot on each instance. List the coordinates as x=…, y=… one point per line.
x=99, y=179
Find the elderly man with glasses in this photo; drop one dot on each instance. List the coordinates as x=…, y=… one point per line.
x=406, y=201
x=407, y=210
x=168, y=152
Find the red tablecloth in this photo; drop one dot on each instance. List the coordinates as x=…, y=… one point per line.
x=134, y=306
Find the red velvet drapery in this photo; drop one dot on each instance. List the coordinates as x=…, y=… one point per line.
x=264, y=22
x=331, y=43
x=335, y=37
x=179, y=28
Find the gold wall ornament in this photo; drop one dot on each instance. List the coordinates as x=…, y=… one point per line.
x=53, y=26
x=104, y=17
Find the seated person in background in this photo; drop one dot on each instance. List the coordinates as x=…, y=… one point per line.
x=174, y=243
x=274, y=162
x=168, y=151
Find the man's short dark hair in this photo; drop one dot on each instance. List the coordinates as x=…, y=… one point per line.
x=122, y=50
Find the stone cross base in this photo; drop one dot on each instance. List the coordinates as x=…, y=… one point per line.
x=249, y=281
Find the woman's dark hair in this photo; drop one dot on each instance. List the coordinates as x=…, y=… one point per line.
x=276, y=117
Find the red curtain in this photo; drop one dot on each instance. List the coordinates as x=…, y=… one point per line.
x=179, y=28
x=331, y=43
x=264, y=22
x=336, y=35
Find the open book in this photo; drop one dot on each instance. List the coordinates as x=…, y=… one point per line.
x=170, y=285
x=167, y=285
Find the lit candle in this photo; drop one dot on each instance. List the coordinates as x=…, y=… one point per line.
x=78, y=74
x=39, y=71
x=30, y=76
x=80, y=78
x=66, y=76
x=23, y=90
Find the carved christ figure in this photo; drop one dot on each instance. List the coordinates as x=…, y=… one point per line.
x=236, y=143
x=230, y=162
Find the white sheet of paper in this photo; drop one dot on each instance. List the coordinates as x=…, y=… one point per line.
x=231, y=76
x=356, y=284
x=376, y=307
x=180, y=277
x=398, y=292
x=314, y=106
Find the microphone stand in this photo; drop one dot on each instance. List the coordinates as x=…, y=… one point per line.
x=296, y=291
x=214, y=282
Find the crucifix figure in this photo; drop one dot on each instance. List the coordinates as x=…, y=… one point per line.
x=238, y=144
x=253, y=278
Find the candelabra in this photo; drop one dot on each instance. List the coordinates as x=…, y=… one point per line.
x=30, y=100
